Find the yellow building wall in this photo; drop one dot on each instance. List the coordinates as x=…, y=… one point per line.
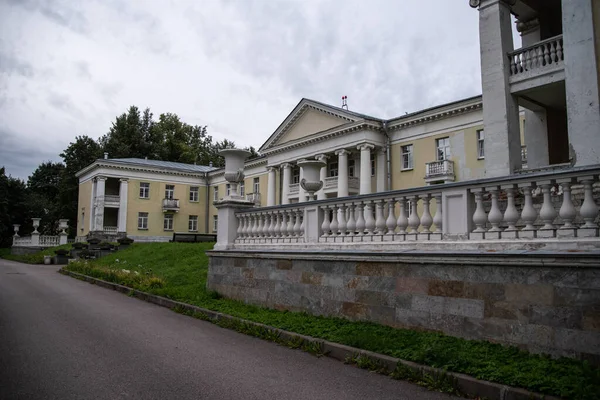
x=153, y=206
x=85, y=196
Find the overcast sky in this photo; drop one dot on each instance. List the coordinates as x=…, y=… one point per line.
x=69, y=67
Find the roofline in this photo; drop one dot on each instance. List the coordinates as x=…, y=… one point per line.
x=426, y=110
x=112, y=162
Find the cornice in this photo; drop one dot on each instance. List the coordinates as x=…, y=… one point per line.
x=124, y=167
x=434, y=116
x=325, y=135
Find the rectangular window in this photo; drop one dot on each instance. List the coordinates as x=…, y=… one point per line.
x=143, y=220
x=296, y=175
x=193, y=223
x=228, y=189
x=144, y=190
x=333, y=169
x=443, y=149
x=169, y=191
x=480, y=142
x=215, y=222
x=351, y=168
x=242, y=189
x=216, y=193
x=407, y=157
x=373, y=171
x=168, y=222
x=256, y=185
x=194, y=190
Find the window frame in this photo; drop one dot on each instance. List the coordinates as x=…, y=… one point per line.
x=194, y=195
x=446, y=149
x=169, y=192
x=143, y=217
x=333, y=169
x=227, y=189
x=296, y=175
x=407, y=157
x=168, y=217
x=144, y=189
x=242, y=189
x=373, y=160
x=215, y=193
x=215, y=223
x=192, y=220
x=351, y=167
x=480, y=144
x=256, y=185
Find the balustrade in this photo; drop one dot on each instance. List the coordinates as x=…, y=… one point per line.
x=49, y=241
x=272, y=226
x=535, y=57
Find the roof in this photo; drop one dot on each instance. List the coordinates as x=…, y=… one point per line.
x=161, y=164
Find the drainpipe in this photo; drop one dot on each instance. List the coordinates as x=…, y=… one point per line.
x=207, y=205
x=387, y=155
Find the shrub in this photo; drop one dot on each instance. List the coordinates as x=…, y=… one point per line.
x=86, y=254
x=79, y=246
x=93, y=241
x=125, y=240
x=105, y=246
x=61, y=252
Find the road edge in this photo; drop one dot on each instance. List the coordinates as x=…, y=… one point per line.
x=465, y=384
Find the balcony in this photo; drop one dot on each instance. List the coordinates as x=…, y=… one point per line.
x=332, y=183
x=294, y=188
x=253, y=197
x=170, y=205
x=537, y=65
x=110, y=200
x=439, y=171
x=110, y=230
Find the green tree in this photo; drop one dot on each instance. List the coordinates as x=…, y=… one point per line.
x=43, y=195
x=12, y=207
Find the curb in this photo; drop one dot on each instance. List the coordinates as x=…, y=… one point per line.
x=466, y=385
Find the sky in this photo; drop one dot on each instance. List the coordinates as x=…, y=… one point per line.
x=68, y=68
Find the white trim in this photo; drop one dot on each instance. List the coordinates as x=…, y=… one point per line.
x=140, y=175
x=447, y=131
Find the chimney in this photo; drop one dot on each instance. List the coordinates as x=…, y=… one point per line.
x=105, y=155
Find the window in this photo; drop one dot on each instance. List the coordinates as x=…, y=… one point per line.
x=296, y=175
x=351, y=168
x=480, y=142
x=193, y=223
x=443, y=149
x=333, y=169
x=215, y=222
x=407, y=157
x=143, y=220
x=169, y=191
x=228, y=189
x=216, y=193
x=373, y=164
x=256, y=186
x=168, y=222
x=242, y=189
x=194, y=193
x=144, y=190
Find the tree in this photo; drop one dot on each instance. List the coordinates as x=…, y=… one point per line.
x=12, y=207
x=43, y=195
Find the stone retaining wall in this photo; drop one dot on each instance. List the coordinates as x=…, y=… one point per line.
x=544, y=303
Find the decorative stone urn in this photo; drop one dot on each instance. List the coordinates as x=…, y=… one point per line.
x=234, y=169
x=36, y=224
x=16, y=229
x=63, y=224
x=311, y=176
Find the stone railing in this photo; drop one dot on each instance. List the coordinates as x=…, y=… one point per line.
x=171, y=204
x=22, y=241
x=549, y=209
x=294, y=188
x=49, y=241
x=332, y=182
x=439, y=168
x=109, y=230
x=110, y=198
x=538, y=56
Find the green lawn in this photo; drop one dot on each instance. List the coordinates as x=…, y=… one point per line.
x=35, y=258
x=178, y=271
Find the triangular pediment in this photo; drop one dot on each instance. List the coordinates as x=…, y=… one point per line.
x=308, y=118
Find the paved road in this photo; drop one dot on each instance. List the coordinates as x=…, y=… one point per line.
x=61, y=338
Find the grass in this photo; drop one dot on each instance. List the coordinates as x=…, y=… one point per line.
x=179, y=270
x=35, y=258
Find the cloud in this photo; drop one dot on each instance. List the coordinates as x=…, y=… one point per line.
x=238, y=66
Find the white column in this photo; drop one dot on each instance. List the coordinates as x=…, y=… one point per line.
x=123, y=192
x=322, y=176
x=301, y=192
x=381, y=170
x=365, y=168
x=287, y=180
x=92, y=210
x=271, y=187
x=536, y=138
x=581, y=81
x=500, y=107
x=342, y=172
x=99, y=217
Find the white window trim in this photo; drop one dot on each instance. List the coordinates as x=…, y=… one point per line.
x=142, y=218
x=215, y=222
x=481, y=150
x=242, y=188
x=256, y=185
x=196, y=192
x=146, y=190
x=171, y=219
x=410, y=154
x=190, y=219
x=169, y=193
x=215, y=193
x=447, y=153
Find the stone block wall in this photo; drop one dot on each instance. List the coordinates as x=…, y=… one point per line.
x=545, y=305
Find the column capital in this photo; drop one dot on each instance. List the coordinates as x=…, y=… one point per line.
x=101, y=178
x=342, y=152
x=272, y=168
x=285, y=165
x=365, y=146
x=485, y=3
x=124, y=180
x=321, y=157
x=526, y=25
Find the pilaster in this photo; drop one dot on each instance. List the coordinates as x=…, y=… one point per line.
x=123, y=194
x=365, y=167
x=287, y=180
x=342, y=172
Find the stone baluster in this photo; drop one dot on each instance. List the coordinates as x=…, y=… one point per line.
x=334, y=220
x=391, y=219
x=546, y=54
x=369, y=220
x=402, y=222
x=588, y=210
x=559, y=51
x=278, y=224
x=513, y=65
x=547, y=212
x=297, y=223
x=437, y=218
x=479, y=216
x=342, y=224
x=511, y=214
x=495, y=215
x=552, y=52
x=290, y=227
x=380, y=225
x=360, y=218
x=351, y=226
x=248, y=228
x=528, y=214
x=300, y=214
x=567, y=210
x=254, y=230
x=271, y=225
x=426, y=218
x=261, y=225
x=326, y=224
x=240, y=226
x=283, y=224
x=413, y=219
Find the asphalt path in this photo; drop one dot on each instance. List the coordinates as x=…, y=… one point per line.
x=61, y=338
